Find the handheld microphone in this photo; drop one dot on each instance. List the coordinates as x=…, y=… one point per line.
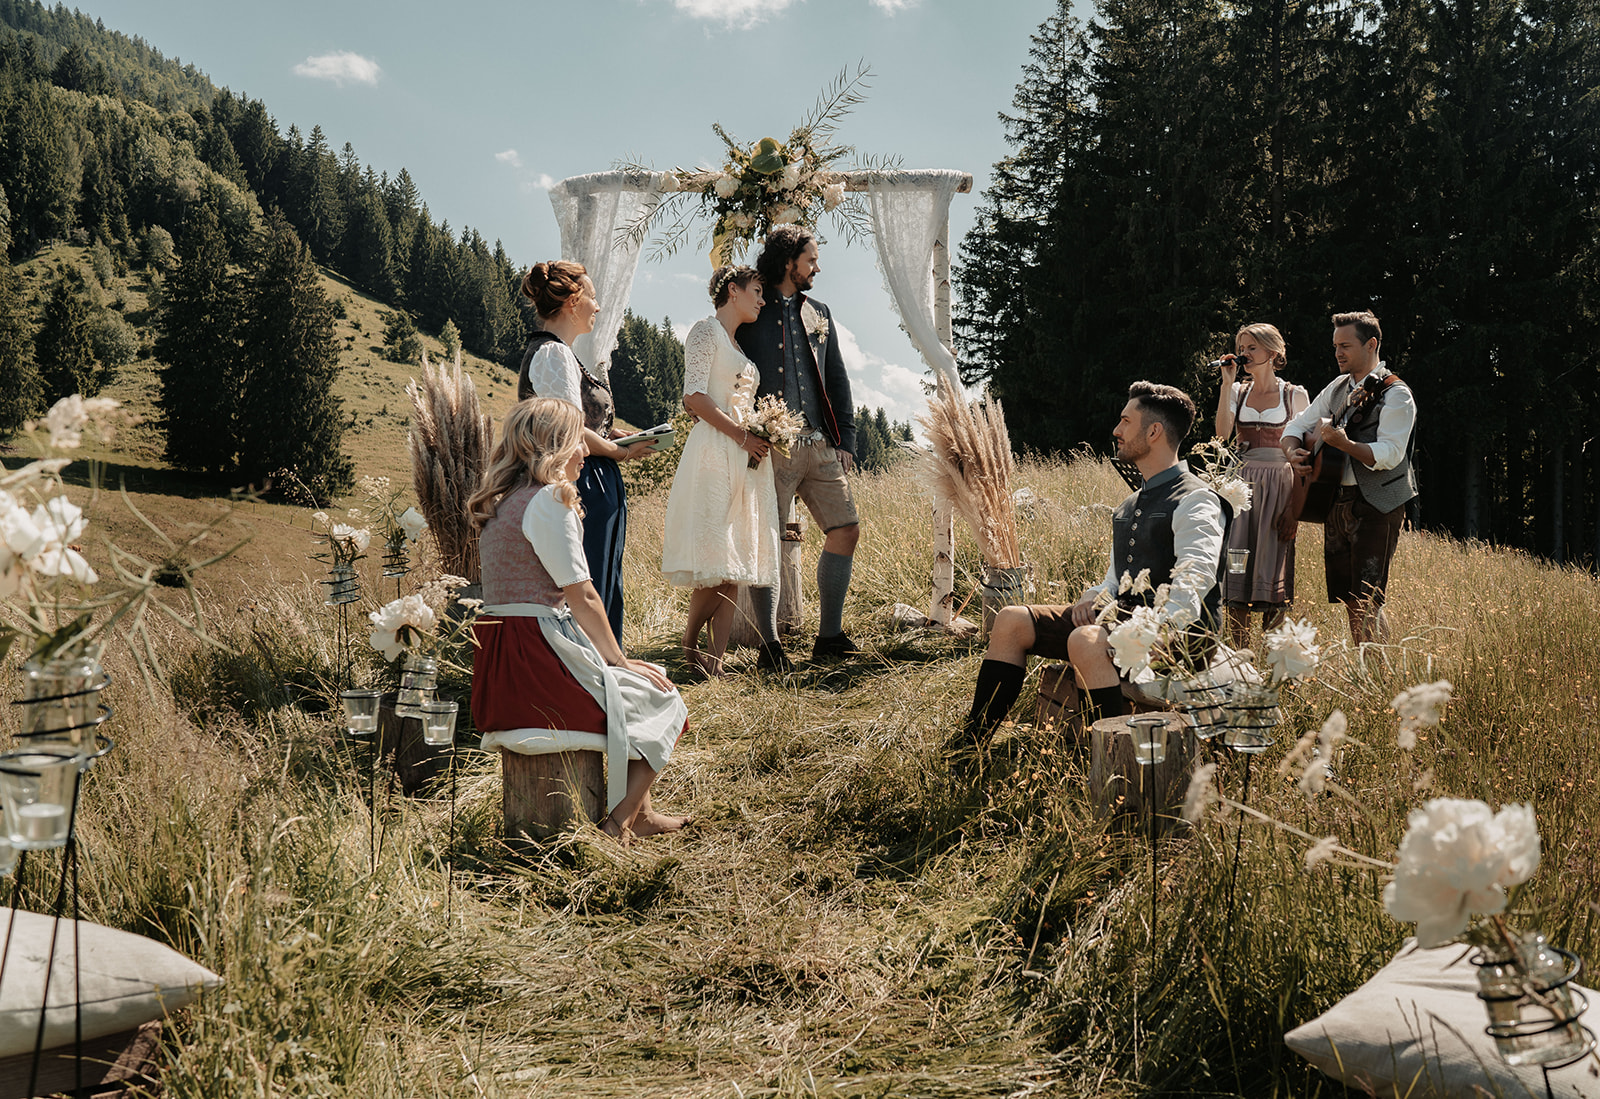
x=1238, y=360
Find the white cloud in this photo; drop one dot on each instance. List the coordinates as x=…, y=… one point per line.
x=341, y=67
x=894, y=7
x=511, y=157
x=875, y=382
x=741, y=14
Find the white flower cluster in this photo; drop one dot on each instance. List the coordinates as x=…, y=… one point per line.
x=1236, y=492
x=412, y=523
x=40, y=544
x=401, y=625
x=1420, y=707
x=1134, y=637
x=1457, y=859
x=346, y=541
x=69, y=416
x=1292, y=650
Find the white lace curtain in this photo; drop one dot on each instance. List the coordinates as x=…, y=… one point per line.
x=594, y=212
x=910, y=211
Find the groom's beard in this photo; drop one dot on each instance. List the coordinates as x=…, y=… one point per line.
x=802, y=283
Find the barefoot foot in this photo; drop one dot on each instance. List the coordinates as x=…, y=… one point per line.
x=649, y=823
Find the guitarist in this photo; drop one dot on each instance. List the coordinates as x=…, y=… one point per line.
x=1378, y=415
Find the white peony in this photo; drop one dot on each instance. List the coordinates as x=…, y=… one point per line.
x=1457, y=859
x=1420, y=706
x=412, y=523
x=1237, y=494
x=792, y=172
x=1292, y=650
x=725, y=186
x=785, y=215
x=1132, y=639
x=60, y=523
x=400, y=624
x=832, y=195
x=356, y=538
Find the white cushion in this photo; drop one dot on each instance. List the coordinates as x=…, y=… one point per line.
x=538, y=742
x=125, y=980
x=1417, y=1029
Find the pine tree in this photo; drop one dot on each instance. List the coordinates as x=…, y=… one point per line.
x=369, y=248
x=450, y=336
x=62, y=347
x=288, y=415
x=199, y=352
x=21, y=387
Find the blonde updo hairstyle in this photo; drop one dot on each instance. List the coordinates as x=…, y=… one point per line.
x=725, y=278
x=550, y=285
x=1267, y=336
x=536, y=441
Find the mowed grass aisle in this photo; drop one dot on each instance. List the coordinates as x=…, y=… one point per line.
x=845, y=919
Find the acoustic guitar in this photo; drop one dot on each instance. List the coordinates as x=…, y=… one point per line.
x=1314, y=492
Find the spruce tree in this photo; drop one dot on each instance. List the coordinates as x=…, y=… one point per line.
x=62, y=347
x=21, y=387
x=198, y=349
x=289, y=417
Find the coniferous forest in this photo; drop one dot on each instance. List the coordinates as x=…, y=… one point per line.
x=1179, y=169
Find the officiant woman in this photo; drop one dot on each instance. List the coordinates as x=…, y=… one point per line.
x=562, y=295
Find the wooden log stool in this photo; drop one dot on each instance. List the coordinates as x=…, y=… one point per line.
x=1119, y=783
x=542, y=794
x=1060, y=703
x=416, y=763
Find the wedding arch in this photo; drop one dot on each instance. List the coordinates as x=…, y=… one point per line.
x=910, y=220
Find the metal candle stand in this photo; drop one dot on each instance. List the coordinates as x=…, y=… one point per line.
x=76, y=740
x=1252, y=713
x=344, y=588
x=1555, y=1038
x=396, y=561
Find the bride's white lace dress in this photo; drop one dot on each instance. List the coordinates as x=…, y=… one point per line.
x=722, y=516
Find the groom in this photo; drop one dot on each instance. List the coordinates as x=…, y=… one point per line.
x=794, y=346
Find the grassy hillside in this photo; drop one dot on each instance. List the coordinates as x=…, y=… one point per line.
x=847, y=917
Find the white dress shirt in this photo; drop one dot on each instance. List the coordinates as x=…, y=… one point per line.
x=1197, y=536
x=1395, y=421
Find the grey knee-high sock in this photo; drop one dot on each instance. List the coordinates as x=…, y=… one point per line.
x=833, y=581
x=765, y=608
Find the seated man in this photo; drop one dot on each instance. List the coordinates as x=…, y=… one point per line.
x=1174, y=526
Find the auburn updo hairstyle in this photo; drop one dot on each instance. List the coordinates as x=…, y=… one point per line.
x=549, y=285
x=724, y=278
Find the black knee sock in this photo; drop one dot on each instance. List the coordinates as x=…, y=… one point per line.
x=1106, y=702
x=998, y=686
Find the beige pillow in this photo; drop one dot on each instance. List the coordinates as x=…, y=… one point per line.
x=1416, y=1029
x=125, y=980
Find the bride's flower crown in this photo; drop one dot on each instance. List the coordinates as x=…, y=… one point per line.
x=722, y=280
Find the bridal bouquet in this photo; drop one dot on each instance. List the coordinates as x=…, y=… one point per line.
x=773, y=421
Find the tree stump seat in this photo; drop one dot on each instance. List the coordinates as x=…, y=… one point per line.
x=1060, y=704
x=1119, y=784
x=542, y=793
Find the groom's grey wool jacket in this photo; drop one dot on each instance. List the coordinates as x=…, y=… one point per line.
x=760, y=340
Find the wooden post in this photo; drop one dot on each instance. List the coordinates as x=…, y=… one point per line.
x=1119, y=784
x=942, y=598
x=543, y=794
x=791, y=592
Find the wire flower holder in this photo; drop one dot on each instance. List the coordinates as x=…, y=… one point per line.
x=344, y=587
x=396, y=559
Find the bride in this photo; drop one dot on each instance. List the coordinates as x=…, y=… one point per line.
x=722, y=515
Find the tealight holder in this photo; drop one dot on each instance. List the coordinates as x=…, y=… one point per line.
x=1149, y=733
x=61, y=703
x=1533, y=1004
x=438, y=723
x=37, y=787
x=1204, y=701
x=1252, y=712
x=419, y=678
x=344, y=586
x=1238, y=561
x=360, y=711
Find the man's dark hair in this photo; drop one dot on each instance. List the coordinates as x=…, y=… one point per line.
x=1366, y=325
x=1166, y=404
x=783, y=246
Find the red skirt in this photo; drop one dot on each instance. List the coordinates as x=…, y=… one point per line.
x=518, y=682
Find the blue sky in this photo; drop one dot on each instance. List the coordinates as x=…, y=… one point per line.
x=485, y=102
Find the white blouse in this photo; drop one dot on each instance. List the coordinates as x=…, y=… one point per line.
x=557, y=537
x=554, y=372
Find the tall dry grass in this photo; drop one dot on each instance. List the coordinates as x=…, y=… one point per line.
x=846, y=918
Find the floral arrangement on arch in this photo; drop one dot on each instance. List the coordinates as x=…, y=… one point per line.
x=762, y=185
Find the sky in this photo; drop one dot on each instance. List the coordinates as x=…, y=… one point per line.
x=486, y=103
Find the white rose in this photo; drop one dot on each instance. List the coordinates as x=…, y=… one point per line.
x=785, y=215
x=791, y=176
x=390, y=625
x=412, y=523
x=1457, y=859
x=832, y=195
x=725, y=186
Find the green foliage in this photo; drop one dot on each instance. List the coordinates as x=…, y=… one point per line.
x=647, y=371
x=450, y=337
x=400, y=337
x=878, y=441
x=156, y=248
x=63, y=348
x=288, y=416
x=21, y=387
x=114, y=341
x=202, y=372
